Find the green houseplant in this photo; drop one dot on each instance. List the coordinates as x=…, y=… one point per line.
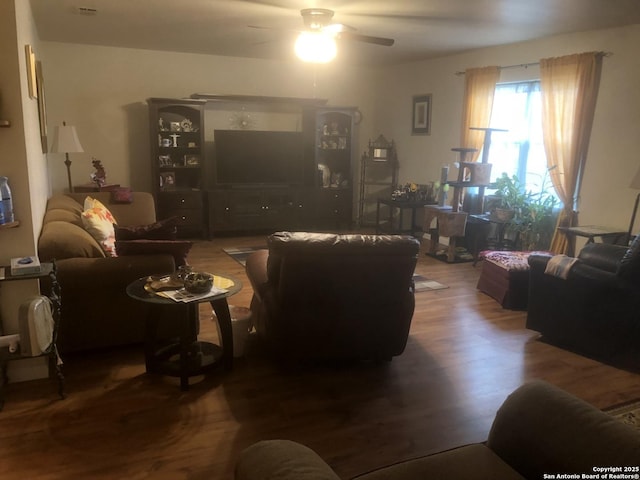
x=511, y=195
x=530, y=215
x=538, y=219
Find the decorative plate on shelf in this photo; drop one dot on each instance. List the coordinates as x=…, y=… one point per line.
x=187, y=125
x=241, y=120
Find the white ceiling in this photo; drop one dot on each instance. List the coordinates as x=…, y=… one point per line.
x=421, y=28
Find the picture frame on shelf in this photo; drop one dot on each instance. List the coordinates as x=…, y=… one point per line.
x=192, y=160
x=167, y=181
x=421, y=115
x=175, y=127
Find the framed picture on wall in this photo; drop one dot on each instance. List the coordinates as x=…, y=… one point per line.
x=42, y=107
x=421, y=115
x=31, y=71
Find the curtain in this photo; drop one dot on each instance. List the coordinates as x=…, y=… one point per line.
x=479, y=88
x=569, y=87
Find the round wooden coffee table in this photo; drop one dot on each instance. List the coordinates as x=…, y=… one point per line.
x=187, y=356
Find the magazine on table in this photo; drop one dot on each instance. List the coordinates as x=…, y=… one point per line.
x=184, y=296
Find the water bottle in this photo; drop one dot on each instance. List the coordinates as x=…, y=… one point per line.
x=6, y=208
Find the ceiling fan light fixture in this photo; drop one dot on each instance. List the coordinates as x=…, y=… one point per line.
x=316, y=47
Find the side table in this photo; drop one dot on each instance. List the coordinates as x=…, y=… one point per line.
x=47, y=272
x=399, y=205
x=591, y=232
x=187, y=357
x=480, y=236
x=92, y=187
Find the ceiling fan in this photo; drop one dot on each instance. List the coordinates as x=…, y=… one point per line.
x=319, y=19
x=317, y=41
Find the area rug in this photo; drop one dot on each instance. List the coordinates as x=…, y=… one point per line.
x=628, y=413
x=423, y=283
x=240, y=254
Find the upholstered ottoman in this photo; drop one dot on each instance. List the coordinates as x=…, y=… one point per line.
x=505, y=277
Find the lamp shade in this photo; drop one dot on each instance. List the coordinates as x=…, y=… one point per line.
x=65, y=140
x=635, y=183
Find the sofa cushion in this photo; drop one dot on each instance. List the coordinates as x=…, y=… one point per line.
x=99, y=221
x=59, y=240
x=178, y=248
x=64, y=202
x=63, y=215
x=282, y=459
x=162, y=230
x=470, y=462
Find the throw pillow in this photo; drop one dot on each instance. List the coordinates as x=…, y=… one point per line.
x=162, y=230
x=121, y=195
x=90, y=202
x=178, y=248
x=99, y=221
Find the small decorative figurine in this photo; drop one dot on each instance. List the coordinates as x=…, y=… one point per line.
x=100, y=175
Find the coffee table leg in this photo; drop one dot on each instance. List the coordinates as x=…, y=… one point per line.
x=189, y=329
x=221, y=307
x=151, y=329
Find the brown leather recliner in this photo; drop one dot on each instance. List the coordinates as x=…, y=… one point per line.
x=329, y=296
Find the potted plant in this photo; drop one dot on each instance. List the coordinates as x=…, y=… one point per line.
x=530, y=215
x=537, y=221
x=512, y=197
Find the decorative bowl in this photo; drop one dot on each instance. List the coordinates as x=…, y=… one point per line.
x=198, y=282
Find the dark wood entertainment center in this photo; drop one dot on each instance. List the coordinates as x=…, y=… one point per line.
x=319, y=196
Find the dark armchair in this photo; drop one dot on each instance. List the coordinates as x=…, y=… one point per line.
x=328, y=296
x=596, y=310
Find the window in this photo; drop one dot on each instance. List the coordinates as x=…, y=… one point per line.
x=517, y=107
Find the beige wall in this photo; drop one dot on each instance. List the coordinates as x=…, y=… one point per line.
x=22, y=160
x=102, y=91
x=615, y=142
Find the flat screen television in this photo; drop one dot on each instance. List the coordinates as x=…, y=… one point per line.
x=258, y=157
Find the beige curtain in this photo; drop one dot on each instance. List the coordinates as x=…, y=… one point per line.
x=479, y=88
x=569, y=88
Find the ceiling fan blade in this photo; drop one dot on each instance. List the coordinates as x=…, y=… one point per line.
x=385, y=42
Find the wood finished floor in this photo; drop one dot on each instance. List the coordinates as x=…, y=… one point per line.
x=465, y=354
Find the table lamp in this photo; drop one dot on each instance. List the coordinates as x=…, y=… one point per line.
x=635, y=183
x=65, y=140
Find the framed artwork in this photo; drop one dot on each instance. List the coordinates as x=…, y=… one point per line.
x=42, y=107
x=421, y=115
x=167, y=181
x=31, y=71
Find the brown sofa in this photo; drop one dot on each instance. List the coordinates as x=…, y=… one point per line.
x=538, y=430
x=328, y=296
x=96, y=311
